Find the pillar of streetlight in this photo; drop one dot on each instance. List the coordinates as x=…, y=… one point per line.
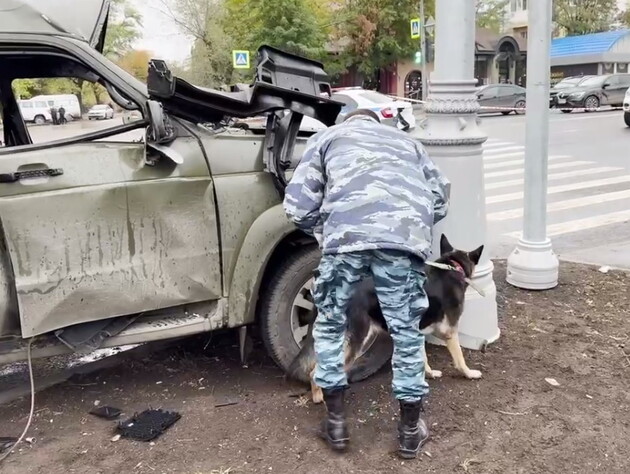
x=453, y=139
x=533, y=264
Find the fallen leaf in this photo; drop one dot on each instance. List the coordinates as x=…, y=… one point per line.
x=115, y=438
x=551, y=381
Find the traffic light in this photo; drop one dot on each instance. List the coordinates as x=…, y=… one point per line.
x=418, y=57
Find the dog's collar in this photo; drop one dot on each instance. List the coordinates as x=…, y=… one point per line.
x=456, y=267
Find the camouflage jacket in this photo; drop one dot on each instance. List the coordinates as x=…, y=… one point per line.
x=362, y=185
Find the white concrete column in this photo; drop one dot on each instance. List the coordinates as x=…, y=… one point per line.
x=453, y=139
x=533, y=264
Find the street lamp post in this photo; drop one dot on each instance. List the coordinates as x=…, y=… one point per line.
x=453, y=139
x=533, y=264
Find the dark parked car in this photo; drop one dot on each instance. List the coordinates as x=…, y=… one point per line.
x=504, y=98
x=608, y=89
x=563, y=85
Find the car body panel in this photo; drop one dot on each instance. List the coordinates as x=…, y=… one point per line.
x=87, y=22
x=262, y=238
x=143, y=227
x=109, y=236
x=613, y=94
x=499, y=97
x=356, y=97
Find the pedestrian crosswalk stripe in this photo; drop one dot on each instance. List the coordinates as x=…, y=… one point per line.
x=503, y=156
x=518, y=171
x=563, y=188
x=555, y=176
x=503, y=149
x=564, y=205
x=507, y=164
x=492, y=145
x=577, y=225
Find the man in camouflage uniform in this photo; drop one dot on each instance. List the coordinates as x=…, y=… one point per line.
x=370, y=195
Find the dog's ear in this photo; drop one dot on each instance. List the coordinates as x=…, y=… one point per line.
x=475, y=255
x=445, y=245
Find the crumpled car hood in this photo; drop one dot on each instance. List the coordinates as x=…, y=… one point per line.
x=84, y=19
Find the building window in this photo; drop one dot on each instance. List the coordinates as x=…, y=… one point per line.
x=518, y=5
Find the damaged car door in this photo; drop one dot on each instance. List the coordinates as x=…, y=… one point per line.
x=95, y=228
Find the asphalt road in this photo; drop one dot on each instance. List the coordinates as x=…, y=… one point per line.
x=589, y=185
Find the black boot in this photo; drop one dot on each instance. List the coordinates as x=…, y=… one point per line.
x=412, y=430
x=334, y=429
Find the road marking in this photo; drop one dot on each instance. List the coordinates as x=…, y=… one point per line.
x=564, y=205
x=563, y=188
x=503, y=156
x=579, y=225
x=568, y=164
x=496, y=144
x=507, y=164
x=555, y=176
x=502, y=149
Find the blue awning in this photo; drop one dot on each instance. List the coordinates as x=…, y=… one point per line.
x=595, y=43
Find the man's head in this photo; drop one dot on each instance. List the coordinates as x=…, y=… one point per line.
x=363, y=112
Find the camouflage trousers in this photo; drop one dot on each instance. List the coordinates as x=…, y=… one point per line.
x=399, y=282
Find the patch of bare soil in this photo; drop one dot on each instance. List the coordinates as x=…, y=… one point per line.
x=510, y=421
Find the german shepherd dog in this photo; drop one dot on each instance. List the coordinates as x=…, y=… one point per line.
x=366, y=325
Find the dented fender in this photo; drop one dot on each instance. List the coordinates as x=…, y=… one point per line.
x=263, y=237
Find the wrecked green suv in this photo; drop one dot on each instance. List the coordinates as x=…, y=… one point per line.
x=108, y=241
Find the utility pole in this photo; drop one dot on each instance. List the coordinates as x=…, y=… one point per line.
x=453, y=139
x=423, y=43
x=533, y=264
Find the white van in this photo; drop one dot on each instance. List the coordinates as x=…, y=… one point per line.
x=37, y=111
x=70, y=103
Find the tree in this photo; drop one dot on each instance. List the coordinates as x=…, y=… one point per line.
x=135, y=62
x=123, y=31
x=203, y=20
x=290, y=25
x=377, y=32
x=581, y=17
x=624, y=16
x=491, y=14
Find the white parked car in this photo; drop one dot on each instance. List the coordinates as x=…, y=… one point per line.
x=626, y=108
x=385, y=107
x=100, y=112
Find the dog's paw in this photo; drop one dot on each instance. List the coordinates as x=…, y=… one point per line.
x=472, y=374
x=434, y=374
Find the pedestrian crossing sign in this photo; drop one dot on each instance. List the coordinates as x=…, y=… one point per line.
x=415, y=28
x=240, y=59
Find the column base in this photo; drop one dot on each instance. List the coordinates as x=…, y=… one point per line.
x=533, y=266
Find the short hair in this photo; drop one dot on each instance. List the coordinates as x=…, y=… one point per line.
x=368, y=112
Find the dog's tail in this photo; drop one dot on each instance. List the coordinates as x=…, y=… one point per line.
x=301, y=367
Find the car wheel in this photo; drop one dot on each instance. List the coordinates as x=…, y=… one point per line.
x=506, y=113
x=40, y=120
x=520, y=107
x=284, y=309
x=626, y=118
x=591, y=103
x=286, y=304
x=567, y=111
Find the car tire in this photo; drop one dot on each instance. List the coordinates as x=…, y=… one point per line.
x=567, y=111
x=277, y=304
x=39, y=119
x=626, y=118
x=276, y=314
x=506, y=113
x=520, y=105
x=591, y=103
